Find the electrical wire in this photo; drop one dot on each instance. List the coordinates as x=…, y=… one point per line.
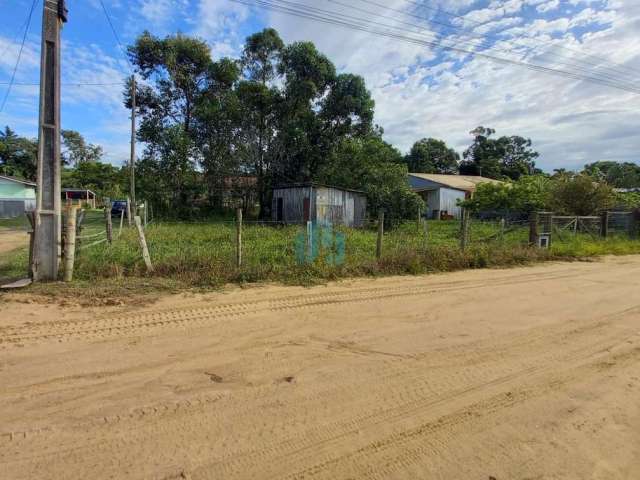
x=331, y=18
x=422, y=5
x=579, y=63
x=15, y=68
x=115, y=33
x=68, y=84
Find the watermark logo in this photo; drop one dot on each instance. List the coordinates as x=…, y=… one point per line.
x=320, y=241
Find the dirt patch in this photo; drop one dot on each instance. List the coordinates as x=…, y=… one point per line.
x=12, y=240
x=522, y=373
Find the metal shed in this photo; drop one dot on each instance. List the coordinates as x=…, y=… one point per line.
x=300, y=203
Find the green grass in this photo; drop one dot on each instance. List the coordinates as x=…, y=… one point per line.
x=187, y=255
x=21, y=223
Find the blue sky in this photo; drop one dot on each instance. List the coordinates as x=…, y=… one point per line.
x=419, y=90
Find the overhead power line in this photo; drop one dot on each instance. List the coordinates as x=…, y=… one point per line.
x=464, y=18
x=22, y=84
x=15, y=68
x=488, y=41
x=115, y=33
x=338, y=19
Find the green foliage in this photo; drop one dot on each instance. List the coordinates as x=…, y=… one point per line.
x=18, y=155
x=102, y=178
x=618, y=175
x=371, y=165
x=580, y=195
x=563, y=194
x=183, y=256
x=430, y=155
x=277, y=113
x=500, y=158
x=528, y=194
x=77, y=151
x=627, y=200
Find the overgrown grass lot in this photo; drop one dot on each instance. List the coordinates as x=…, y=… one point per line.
x=203, y=254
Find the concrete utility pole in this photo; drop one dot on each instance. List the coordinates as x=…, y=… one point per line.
x=133, y=140
x=48, y=229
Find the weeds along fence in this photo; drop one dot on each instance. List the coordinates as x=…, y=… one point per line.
x=236, y=249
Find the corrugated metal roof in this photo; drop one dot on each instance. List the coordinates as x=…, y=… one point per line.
x=18, y=180
x=468, y=183
x=314, y=185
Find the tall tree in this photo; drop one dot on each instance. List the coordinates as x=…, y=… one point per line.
x=217, y=134
x=259, y=98
x=17, y=155
x=77, y=150
x=177, y=69
x=504, y=157
x=430, y=155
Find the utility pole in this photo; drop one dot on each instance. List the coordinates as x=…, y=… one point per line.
x=133, y=140
x=48, y=228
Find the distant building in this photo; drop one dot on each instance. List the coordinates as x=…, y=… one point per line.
x=17, y=196
x=79, y=196
x=442, y=193
x=240, y=191
x=300, y=203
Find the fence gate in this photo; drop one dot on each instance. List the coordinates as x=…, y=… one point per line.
x=572, y=225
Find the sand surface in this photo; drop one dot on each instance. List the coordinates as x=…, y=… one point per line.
x=529, y=373
x=12, y=239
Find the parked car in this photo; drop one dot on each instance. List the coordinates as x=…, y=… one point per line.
x=117, y=207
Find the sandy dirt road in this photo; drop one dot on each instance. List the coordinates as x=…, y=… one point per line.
x=529, y=373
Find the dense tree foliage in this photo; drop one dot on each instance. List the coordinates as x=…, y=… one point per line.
x=77, y=151
x=18, y=155
x=102, y=178
x=371, y=165
x=430, y=155
x=277, y=113
x=500, y=158
x=618, y=175
x=580, y=195
x=566, y=194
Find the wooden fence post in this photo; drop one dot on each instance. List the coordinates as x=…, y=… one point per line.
x=121, y=222
x=380, y=234
x=129, y=211
x=502, y=229
x=635, y=224
x=464, y=228
x=419, y=222
x=239, y=237
x=425, y=228
x=604, y=224
x=143, y=244
x=145, y=213
x=107, y=218
x=70, y=242
x=533, y=229
x=31, y=216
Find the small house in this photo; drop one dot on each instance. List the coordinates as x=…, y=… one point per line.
x=301, y=203
x=442, y=193
x=17, y=196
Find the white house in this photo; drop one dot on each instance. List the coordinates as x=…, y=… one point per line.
x=17, y=196
x=442, y=193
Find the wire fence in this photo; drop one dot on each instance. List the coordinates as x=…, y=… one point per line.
x=257, y=248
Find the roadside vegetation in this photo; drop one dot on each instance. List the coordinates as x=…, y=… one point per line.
x=202, y=255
